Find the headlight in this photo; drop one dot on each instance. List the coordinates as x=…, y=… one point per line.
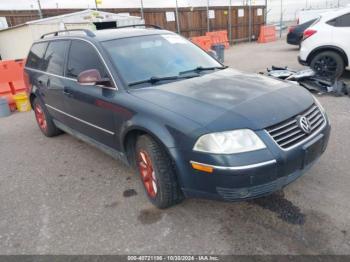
x=229, y=142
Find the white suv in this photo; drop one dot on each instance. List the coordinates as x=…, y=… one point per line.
x=326, y=44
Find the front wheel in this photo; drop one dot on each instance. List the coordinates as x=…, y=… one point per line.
x=328, y=64
x=157, y=173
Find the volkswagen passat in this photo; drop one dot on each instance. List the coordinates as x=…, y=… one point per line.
x=190, y=126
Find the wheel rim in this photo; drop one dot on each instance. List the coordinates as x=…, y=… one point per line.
x=40, y=117
x=147, y=173
x=326, y=66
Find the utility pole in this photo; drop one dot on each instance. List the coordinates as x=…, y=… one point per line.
x=142, y=14
x=250, y=20
x=208, y=25
x=177, y=18
x=39, y=10
x=96, y=5
x=265, y=13
x=230, y=22
x=281, y=19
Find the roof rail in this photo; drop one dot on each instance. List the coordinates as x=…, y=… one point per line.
x=145, y=25
x=86, y=31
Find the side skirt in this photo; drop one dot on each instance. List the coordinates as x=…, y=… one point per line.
x=106, y=149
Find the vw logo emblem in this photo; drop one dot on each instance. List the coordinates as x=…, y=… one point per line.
x=304, y=124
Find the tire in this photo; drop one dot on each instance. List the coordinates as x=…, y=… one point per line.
x=157, y=173
x=44, y=120
x=328, y=64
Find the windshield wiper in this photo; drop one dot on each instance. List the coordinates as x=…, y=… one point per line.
x=201, y=68
x=154, y=79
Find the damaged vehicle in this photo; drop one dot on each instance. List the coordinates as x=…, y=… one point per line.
x=309, y=79
x=190, y=126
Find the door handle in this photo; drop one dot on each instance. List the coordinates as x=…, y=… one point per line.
x=67, y=92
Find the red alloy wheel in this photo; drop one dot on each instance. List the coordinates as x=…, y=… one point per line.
x=145, y=166
x=40, y=117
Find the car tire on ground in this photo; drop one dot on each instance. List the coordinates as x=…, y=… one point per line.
x=328, y=64
x=157, y=173
x=44, y=120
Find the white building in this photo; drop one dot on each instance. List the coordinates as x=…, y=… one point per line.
x=16, y=41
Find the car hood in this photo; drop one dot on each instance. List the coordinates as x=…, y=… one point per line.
x=229, y=99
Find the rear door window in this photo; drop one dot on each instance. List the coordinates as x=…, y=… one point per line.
x=82, y=56
x=54, y=57
x=35, y=56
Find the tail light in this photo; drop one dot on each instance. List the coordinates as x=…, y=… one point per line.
x=291, y=29
x=308, y=33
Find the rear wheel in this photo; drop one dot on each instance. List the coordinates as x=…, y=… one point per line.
x=157, y=173
x=44, y=120
x=328, y=64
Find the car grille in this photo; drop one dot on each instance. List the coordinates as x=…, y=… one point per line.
x=288, y=133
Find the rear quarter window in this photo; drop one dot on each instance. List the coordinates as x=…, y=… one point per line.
x=341, y=21
x=35, y=56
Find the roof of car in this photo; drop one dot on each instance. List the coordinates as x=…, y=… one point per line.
x=335, y=13
x=110, y=34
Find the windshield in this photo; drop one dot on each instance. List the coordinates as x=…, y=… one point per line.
x=157, y=56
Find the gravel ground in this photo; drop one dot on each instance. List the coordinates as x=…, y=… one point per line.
x=62, y=196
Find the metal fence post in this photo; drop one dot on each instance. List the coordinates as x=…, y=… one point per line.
x=265, y=13
x=177, y=18
x=39, y=10
x=250, y=21
x=208, y=22
x=142, y=14
x=281, y=19
x=230, y=22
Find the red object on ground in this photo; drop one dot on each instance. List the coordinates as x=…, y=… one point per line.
x=202, y=41
x=267, y=34
x=12, y=80
x=219, y=37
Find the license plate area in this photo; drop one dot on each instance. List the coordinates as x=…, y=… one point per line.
x=313, y=149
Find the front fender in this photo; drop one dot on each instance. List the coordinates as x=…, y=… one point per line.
x=154, y=128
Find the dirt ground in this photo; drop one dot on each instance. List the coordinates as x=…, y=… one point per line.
x=62, y=196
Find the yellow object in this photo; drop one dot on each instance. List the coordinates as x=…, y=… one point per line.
x=22, y=102
x=98, y=2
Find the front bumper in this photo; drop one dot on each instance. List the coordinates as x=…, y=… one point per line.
x=231, y=181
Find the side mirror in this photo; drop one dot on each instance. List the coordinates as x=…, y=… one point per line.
x=92, y=77
x=213, y=54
